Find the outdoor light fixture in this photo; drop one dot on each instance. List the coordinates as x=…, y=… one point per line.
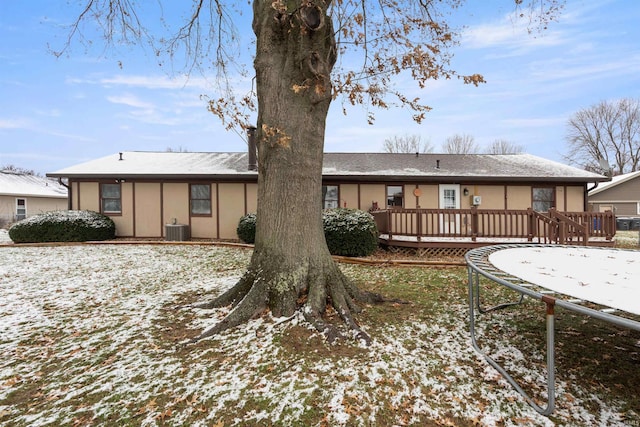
x=465, y=191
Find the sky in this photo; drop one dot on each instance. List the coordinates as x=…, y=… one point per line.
x=92, y=102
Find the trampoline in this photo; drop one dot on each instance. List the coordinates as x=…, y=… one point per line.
x=598, y=282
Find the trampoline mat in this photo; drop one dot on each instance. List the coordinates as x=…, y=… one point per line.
x=607, y=277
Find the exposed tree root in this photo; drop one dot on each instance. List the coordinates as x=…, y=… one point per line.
x=252, y=304
x=311, y=292
x=232, y=296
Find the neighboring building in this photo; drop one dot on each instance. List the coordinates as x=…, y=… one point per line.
x=23, y=195
x=620, y=195
x=145, y=191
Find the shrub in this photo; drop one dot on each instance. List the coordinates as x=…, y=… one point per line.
x=63, y=226
x=247, y=228
x=350, y=232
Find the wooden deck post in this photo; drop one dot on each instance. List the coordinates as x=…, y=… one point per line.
x=474, y=223
x=533, y=231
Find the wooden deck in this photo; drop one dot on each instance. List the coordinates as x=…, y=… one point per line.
x=470, y=228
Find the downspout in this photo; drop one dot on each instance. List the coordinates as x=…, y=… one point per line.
x=586, y=196
x=69, y=206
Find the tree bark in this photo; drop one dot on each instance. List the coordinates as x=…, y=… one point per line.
x=291, y=267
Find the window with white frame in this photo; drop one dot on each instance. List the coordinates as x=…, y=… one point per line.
x=21, y=209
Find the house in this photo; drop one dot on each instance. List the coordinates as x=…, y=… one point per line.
x=621, y=195
x=208, y=192
x=23, y=195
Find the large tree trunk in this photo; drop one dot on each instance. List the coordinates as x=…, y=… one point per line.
x=291, y=267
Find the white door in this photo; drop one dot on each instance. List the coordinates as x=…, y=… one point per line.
x=450, y=199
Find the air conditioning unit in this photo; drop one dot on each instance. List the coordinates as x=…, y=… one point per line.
x=176, y=232
x=476, y=200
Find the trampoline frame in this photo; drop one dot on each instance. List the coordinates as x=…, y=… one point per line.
x=478, y=265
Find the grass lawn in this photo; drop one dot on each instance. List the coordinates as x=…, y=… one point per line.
x=628, y=239
x=91, y=335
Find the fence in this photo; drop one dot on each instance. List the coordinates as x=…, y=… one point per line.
x=550, y=227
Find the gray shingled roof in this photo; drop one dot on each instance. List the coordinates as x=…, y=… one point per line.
x=21, y=185
x=348, y=166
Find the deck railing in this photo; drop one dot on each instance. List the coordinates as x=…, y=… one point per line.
x=473, y=223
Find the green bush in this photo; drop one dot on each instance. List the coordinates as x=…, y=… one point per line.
x=349, y=232
x=247, y=228
x=63, y=226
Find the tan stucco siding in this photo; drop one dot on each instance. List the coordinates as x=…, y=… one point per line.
x=34, y=206
x=232, y=206
x=491, y=196
x=148, y=219
x=252, y=198
x=518, y=197
x=349, y=196
x=7, y=207
x=426, y=198
x=89, y=196
x=125, y=221
x=575, y=198
x=560, y=199
x=175, y=203
x=38, y=205
x=429, y=196
x=203, y=227
x=74, y=195
x=370, y=193
x=410, y=200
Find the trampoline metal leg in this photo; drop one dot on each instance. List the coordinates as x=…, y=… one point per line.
x=550, y=332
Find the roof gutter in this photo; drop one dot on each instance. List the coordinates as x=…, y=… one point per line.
x=595, y=185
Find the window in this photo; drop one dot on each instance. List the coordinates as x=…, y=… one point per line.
x=449, y=198
x=111, y=198
x=394, y=196
x=543, y=199
x=330, y=197
x=21, y=209
x=200, y=199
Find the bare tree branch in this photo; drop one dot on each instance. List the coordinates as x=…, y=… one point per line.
x=460, y=144
x=407, y=144
x=606, y=132
x=502, y=146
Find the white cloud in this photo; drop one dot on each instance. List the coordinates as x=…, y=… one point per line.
x=582, y=67
x=509, y=36
x=15, y=123
x=152, y=82
x=131, y=101
x=143, y=81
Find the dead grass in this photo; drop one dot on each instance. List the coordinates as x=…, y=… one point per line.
x=101, y=345
x=629, y=239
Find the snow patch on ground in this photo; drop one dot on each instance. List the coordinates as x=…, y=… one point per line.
x=80, y=320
